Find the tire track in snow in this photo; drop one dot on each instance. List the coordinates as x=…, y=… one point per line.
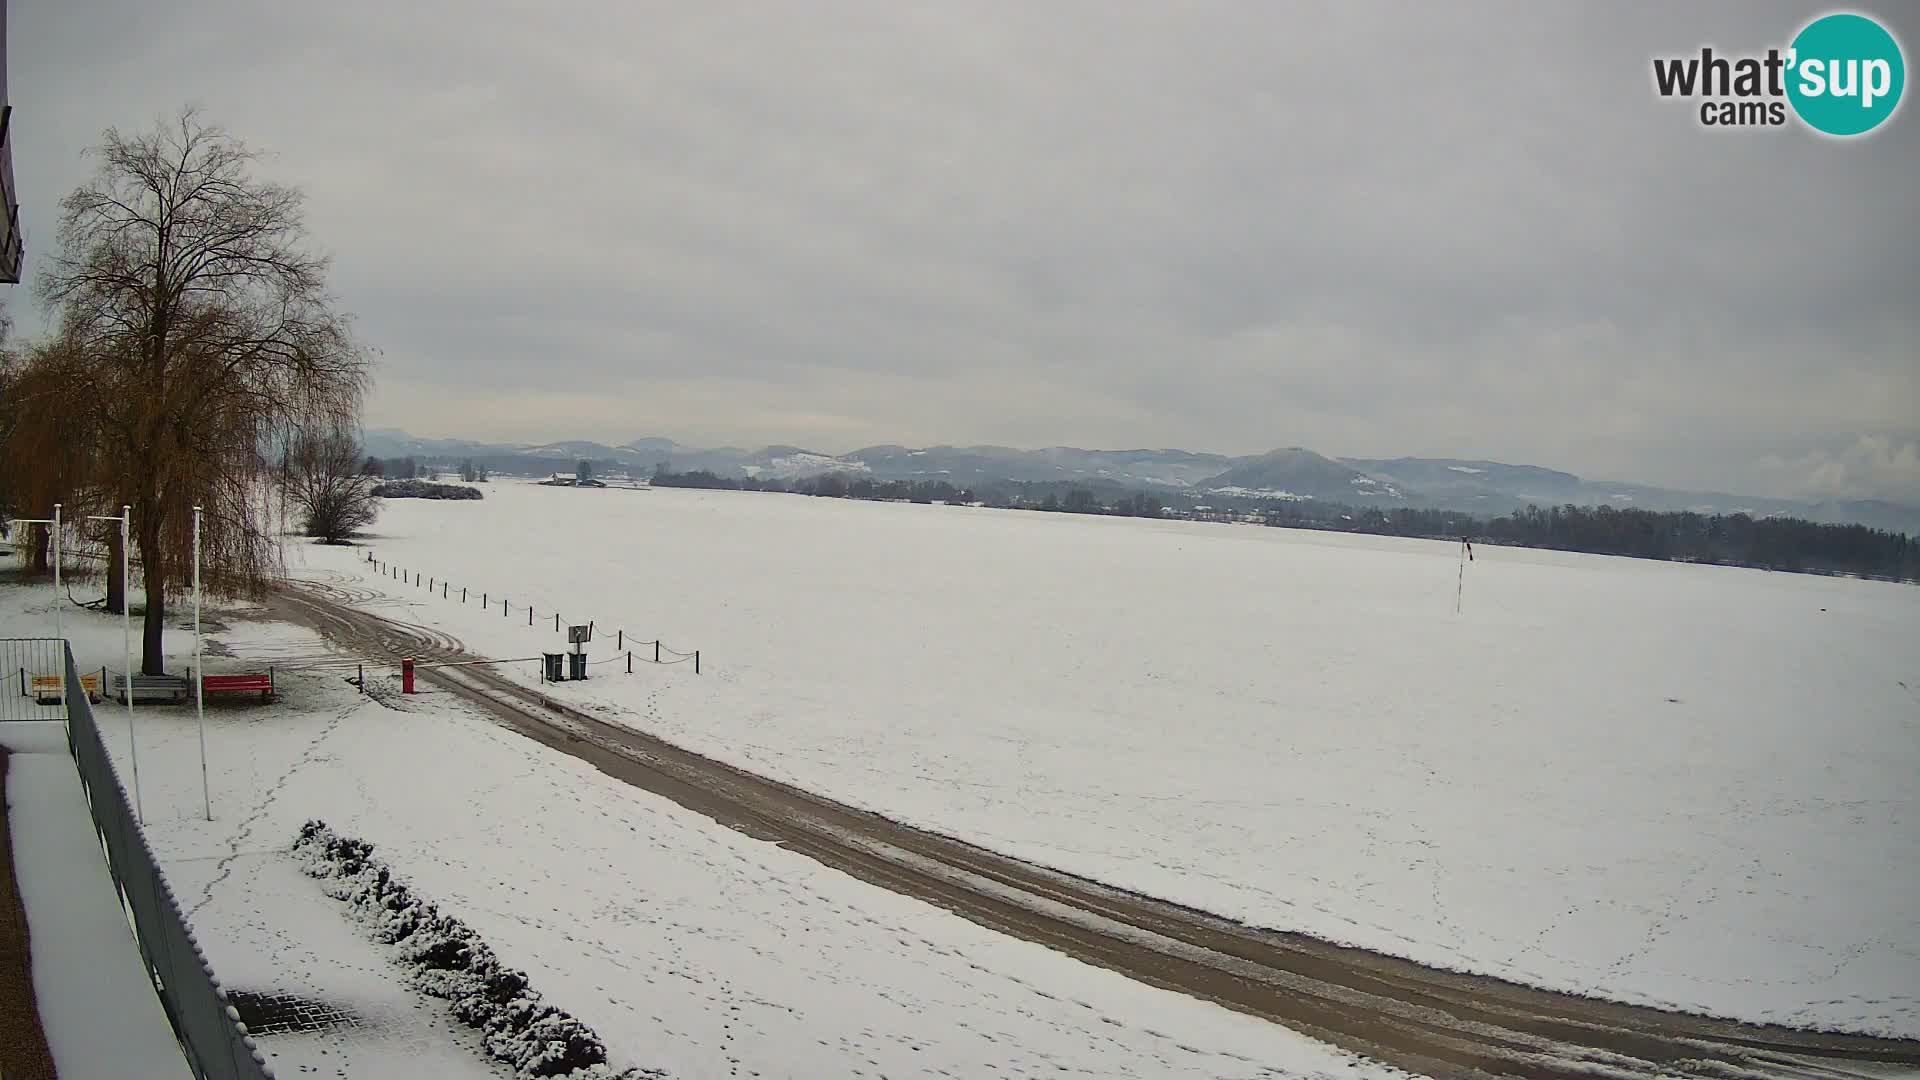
x=1416, y=1017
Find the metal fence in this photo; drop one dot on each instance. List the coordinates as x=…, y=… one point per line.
x=216, y=1043
x=33, y=679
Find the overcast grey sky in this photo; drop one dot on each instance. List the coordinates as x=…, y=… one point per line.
x=1372, y=230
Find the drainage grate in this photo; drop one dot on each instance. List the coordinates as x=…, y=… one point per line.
x=283, y=1014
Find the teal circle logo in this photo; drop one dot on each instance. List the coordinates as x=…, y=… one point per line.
x=1845, y=74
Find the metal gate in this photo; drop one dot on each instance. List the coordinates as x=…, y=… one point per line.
x=33, y=682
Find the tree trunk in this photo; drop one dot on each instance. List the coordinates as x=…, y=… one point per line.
x=153, y=659
x=42, y=544
x=116, y=581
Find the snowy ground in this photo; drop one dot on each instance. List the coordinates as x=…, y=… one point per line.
x=96, y=1003
x=1679, y=785
x=689, y=947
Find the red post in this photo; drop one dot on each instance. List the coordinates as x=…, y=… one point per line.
x=406, y=675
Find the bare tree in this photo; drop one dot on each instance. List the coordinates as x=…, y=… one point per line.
x=188, y=285
x=322, y=478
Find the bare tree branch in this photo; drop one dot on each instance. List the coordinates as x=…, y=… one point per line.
x=199, y=339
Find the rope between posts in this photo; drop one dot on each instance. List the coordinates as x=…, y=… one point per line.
x=444, y=589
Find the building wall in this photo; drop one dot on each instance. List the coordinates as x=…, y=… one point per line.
x=12, y=246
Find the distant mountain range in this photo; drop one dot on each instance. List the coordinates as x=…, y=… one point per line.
x=1487, y=488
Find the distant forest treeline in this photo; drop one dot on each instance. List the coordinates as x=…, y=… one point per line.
x=1771, y=543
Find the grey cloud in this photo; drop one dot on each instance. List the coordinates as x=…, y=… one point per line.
x=1371, y=229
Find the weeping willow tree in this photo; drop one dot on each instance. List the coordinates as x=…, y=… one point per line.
x=187, y=289
x=49, y=441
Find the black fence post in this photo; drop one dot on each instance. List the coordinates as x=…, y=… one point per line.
x=656, y=650
x=629, y=663
x=696, y=661
x=463, y=594
x=556, y=622
x=529, y=614
x=363, y=677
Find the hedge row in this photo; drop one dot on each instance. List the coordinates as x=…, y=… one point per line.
x=446, y=959
x=423, y=489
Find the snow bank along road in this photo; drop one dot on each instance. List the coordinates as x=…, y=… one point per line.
x=1415, y=1017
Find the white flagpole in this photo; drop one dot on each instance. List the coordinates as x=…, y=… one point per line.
x=53, y=539
x=126, y=640
x=56, y=585
x=1461, y=585
x=125, y=519
x=199, y=677
x=58, y=598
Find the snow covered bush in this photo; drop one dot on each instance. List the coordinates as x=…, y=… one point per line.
x=446, y=959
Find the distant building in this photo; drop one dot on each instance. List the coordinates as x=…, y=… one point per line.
x=12, y=247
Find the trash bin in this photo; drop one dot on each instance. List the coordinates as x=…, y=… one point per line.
x=577, y=665
x=550, y=666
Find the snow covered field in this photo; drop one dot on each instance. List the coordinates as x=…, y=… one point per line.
x=1679, y=785
x=687, y=946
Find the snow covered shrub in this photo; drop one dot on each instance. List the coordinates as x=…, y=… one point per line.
x=550, y=1044
x=441, y=943
x=444, y=958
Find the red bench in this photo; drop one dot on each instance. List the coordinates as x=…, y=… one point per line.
x=261, y=684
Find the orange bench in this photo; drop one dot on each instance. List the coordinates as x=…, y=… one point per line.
x=255, y=683
x=52, y=689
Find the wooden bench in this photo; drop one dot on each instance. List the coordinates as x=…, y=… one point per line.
x=168, y=689
x=249, y=683
x=51, y=689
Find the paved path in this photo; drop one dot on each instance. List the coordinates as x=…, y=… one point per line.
x=23, y=1046
x=96, y=1002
